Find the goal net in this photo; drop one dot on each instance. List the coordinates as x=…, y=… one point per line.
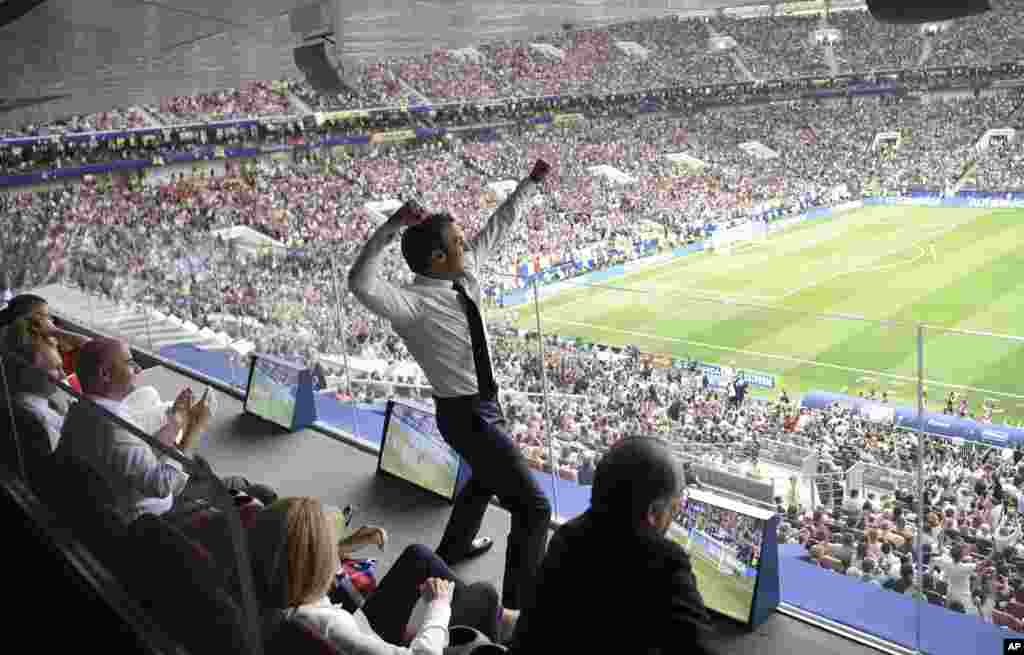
x=721, y=555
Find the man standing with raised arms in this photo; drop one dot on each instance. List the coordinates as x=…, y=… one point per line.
x=438, y=318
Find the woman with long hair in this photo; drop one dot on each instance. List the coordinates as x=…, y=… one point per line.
x=295, y=558
x=32, y=367
x=37, y=310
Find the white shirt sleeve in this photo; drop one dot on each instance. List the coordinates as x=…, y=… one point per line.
x=343, y=631
x=377, y=294
x=151, y=475
x=493, y=232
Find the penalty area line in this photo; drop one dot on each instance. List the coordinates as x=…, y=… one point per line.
x=785, y=358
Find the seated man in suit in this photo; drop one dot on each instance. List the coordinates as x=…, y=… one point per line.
x=657, y=607
x=143, y=481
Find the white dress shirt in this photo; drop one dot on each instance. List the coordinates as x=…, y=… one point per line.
x=428, y=314
x=143, y=482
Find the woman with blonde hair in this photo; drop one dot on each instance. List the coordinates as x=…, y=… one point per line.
x=295, y=558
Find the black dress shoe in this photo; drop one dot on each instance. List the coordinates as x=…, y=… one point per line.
x=478, y=547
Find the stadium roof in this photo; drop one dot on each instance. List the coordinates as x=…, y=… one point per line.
x=118, y=53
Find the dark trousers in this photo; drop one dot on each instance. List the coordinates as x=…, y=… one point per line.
x=198, y=492
x=390, y=606
x=476, y=430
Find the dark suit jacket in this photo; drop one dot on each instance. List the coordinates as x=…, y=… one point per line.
x=602, y=589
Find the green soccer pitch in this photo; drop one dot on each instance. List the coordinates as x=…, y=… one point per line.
x=832, y=305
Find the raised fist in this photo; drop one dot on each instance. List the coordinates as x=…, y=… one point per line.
x=540, y=171
x=409, y=214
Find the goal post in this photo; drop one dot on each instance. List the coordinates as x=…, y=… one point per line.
x=710, y=549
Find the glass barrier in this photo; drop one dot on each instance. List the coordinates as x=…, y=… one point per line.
x=528, y=367
x=817, y=408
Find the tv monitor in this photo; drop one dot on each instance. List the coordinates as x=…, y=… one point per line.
x=273, y=389
x=413, y=450
x=724, y=539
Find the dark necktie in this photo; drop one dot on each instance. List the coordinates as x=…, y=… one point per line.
x=481, y=358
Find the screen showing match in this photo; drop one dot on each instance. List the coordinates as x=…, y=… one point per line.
x=725, y=548
x=273, y=388
x=414, y=450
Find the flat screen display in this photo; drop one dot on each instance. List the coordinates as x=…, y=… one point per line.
x=272, y=390
x=412, y=449
x=724, y=544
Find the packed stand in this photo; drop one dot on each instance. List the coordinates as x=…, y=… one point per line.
x=368, y=86
x=999, y=168
x=300, y=205
x=892, y=46
x=993, y=37
x=114, y=119
x=777, y=47
x=973, y=560
x=251, y=100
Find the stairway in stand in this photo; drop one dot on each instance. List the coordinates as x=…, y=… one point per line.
x=131, y=321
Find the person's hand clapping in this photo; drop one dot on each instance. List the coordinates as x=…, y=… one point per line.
x=182, y=405
x=437, y=589
x=200, y=413
x=178, y=415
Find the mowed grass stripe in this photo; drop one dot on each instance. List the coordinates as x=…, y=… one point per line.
x=796, y=330
x=786, y=266
x=888, y=347
x=975, y=285
x=962, y=254
x=646, y=297
x=746, y=271
x=686, y=278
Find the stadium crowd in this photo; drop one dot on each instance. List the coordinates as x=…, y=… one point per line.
x=248, y=101
x=667, y=52
x=973, y=560
x=315, y=209
x=115, y=119
x=157, y=246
